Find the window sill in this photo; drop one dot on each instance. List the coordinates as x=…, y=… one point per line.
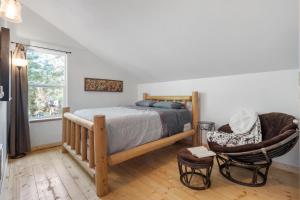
x=44, y=120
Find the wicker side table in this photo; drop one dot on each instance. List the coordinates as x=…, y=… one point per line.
x=194, y=172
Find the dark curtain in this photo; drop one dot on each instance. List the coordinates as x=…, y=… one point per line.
x=19, y=138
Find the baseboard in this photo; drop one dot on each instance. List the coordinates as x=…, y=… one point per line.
x=286, y=167
x=45, y=146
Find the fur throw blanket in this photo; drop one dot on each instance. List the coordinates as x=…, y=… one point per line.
x=246, y=129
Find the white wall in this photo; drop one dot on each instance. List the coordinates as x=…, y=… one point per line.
x=220, y=97
x=3, y=138
x=81, y=63
x=84, y=64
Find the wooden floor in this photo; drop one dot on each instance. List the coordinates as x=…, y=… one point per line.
x=53, y=175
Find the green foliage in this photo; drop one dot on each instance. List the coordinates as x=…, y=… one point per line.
x=46, y=77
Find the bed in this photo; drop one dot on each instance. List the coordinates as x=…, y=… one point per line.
x=96, y=140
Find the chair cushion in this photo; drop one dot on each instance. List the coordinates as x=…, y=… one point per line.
x=275, y=128
x=273, y=124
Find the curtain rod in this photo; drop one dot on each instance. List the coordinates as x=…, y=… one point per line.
x=28, y=45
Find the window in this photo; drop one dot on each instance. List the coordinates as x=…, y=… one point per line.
x=46, y=82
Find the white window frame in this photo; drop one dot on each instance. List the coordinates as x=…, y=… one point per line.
x=65, y=86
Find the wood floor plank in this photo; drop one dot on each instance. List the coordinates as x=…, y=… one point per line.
x=49, y=184
x=74, y=191
x=52, y=175
x=81, y=178
x=171, y=181
x=25, y=181
x=52, y=189
x=8, y=183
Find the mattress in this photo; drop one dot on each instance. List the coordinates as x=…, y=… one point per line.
x=131, y=126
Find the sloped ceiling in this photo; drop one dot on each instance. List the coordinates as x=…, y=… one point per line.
x=160, y=40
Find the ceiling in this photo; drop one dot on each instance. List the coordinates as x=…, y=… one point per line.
x=161, y=40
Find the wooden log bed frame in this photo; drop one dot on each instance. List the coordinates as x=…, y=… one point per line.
x=74, y=141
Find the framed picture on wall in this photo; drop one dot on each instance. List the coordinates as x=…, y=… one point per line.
x=102, y=85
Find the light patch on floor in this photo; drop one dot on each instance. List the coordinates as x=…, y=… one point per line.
x=50, y=174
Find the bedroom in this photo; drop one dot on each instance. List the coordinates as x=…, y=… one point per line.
x=234, y=54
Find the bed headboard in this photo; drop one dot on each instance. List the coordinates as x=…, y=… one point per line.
x=168, y=98
x=184, y=99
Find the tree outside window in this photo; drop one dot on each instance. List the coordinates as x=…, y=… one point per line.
x=46, y=81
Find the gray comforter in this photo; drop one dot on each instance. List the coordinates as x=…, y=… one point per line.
x=130, y=126
x=173, y=120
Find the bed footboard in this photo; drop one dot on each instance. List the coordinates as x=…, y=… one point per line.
x=195, y=116
x=86, y=141
x=74, y=140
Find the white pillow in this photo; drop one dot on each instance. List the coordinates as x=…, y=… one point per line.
x=242, y=121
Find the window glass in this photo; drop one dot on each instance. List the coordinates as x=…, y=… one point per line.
x=46, y=82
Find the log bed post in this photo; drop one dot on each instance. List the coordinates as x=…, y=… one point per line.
x=92, y=149
x=145, y=95
x=72, y=135
x=195, y=111
x=64, y=128
x=100, y=136
x=77, y=139
x=83, y=144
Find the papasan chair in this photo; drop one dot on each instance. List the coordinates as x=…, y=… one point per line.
x=279, y=135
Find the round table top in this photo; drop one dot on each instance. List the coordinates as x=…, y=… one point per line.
x=187, y=156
